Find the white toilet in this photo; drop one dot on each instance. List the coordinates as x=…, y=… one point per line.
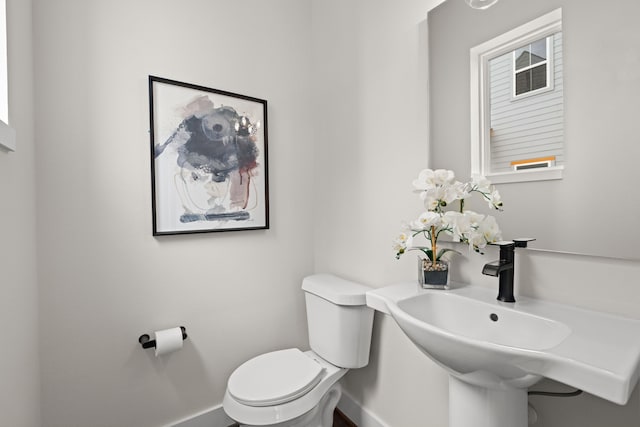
x=300, y=389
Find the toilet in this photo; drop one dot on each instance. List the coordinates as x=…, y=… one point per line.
x=294, y=388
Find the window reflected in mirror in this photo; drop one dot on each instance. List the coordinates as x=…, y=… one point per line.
x=531, y=68
x=526, y=107
x=517, y=103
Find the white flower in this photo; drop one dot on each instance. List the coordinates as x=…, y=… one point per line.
x=465, y=224
x=495, y=200
x=428, y=179
x=481, y=183
x=425, y=180
x=461, y=189
x=483, y=186
x=490, y=230
x=453, y=222
x=425, y=221
x=454, y=191
x=402, y=242
x=442, y=195
x=431, y=199
x=443, y=177
x=484, y=231
x=474, y=217
x=438, y=190
x=477, y=241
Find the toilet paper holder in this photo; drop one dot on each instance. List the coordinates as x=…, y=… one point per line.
x=146, y=341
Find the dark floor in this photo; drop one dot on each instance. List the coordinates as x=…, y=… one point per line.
x=339, y=420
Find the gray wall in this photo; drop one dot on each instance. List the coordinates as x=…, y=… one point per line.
x=19, y=379
x=104, y=279
x=369, y=68
x=370, y=76
x=602, y=98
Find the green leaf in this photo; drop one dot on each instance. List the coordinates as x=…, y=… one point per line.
x=446, y=253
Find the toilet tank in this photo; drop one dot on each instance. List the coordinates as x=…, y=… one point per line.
x=339, y=320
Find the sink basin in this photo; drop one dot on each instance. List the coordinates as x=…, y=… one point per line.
x=472, y=319
x=488, y=346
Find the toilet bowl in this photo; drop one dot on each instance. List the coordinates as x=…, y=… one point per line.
x=292, y=388
x=265, y=391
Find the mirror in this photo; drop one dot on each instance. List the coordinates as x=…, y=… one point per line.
x=594, y=208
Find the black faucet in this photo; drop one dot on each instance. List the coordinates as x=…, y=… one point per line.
x=504, y=268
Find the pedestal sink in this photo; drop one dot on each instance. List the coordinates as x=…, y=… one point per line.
x=494, y=351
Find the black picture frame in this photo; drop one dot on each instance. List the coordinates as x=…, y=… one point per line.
x=209, y=162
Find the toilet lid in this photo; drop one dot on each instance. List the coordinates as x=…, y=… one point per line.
x=274, y=378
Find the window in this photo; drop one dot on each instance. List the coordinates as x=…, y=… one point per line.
x=7, y=134
x=532, y=66
x=517, y=103
x=526, y=107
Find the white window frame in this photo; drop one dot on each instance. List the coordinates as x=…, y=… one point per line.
x=7, y=133
x=548, y=62
x=480, y=56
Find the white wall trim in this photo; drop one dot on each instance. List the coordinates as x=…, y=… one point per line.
x=212, y=417
x=216, y=417
x=358, y=414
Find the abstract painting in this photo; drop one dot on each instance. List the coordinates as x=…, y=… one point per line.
x=208, y=159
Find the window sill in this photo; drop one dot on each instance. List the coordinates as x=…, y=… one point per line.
x=546, y=174
x=7, y=137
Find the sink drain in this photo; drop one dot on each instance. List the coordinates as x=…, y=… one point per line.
x=493, y=317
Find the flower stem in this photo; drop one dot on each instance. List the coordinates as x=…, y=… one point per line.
x=433, y=247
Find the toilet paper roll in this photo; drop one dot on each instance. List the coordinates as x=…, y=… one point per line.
x=168, y=340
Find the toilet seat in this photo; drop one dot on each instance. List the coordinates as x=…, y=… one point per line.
x=274, y=378
x=273, y=415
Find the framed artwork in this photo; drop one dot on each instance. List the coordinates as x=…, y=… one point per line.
x=208, y=159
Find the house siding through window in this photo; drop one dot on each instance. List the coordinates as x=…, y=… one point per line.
x=529, y=127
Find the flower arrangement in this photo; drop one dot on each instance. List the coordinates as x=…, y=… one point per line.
x=439, y=190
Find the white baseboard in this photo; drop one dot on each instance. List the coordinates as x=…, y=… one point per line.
x=212, y=417
x=216, y=417
x=356, y=413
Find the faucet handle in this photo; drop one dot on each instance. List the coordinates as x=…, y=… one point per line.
x=522, y=241
x=503, y=243
x=518, y=243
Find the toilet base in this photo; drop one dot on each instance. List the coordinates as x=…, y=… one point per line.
x=319, y=416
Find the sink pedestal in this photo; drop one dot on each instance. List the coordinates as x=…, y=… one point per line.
x=471, y=405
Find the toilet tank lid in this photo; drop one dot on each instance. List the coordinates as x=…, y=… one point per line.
x=335, y=289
